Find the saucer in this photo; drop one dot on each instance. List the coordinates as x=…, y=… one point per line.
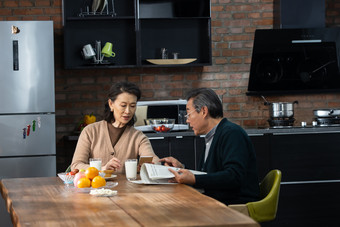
x=111, y=177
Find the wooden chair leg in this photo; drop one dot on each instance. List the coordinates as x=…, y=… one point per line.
x=242, y=208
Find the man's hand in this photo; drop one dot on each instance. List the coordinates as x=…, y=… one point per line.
x=183, y=176
x=171, y=161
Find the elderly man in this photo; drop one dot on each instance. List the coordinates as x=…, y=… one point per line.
x=229, y=157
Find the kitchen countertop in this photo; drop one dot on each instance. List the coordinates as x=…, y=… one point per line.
x=261, y=131
x=250, y=131
x=293, y=130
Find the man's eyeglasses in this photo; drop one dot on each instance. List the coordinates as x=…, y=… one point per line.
x=188, y=114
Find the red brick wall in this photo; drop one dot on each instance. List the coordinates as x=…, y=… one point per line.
x=233, y=24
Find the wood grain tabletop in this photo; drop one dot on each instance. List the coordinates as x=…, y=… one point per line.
x=48, y=202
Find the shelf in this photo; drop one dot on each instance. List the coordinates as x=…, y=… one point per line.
x=174, y=18
x=171, y=61
x=137, y=31
x=100, y=18
x=89, y=66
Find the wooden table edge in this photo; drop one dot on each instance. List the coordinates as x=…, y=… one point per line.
x=9, y=206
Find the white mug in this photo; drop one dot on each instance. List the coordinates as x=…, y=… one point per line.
x=88, y=51
x=131, y=169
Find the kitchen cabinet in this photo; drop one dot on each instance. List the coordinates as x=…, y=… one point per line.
x=180, y=147
x=160, y=146
x=199, y=149
x=138, y=29
x=262, y=147
x=307, y=157
x=310, y=176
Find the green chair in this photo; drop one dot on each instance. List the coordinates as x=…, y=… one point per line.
x=265, y=209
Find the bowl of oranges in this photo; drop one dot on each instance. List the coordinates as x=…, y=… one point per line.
x=88, y=179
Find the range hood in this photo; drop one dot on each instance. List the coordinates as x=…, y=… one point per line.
x=288, y=61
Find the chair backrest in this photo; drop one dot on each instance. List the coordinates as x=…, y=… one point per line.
x=265, y=209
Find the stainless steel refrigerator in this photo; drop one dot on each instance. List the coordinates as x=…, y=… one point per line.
x=27, y=100
x=27, y=106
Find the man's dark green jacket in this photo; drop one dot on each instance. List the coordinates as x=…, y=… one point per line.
x=231, y=166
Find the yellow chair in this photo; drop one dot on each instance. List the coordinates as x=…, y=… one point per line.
x=266, y=208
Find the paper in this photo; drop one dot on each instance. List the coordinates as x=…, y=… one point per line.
x=158, y=174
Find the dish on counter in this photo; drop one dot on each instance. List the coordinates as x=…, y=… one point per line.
x=171, y=61
x=110, y=177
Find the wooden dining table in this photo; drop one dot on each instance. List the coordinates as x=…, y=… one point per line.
x=47, y=201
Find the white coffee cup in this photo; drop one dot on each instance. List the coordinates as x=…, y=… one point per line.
x=88, y=51
x=131, y=169
x=96, y=162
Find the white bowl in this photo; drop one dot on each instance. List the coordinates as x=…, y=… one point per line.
x=68, y=179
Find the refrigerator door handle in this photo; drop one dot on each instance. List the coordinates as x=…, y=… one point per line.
x=15, y=55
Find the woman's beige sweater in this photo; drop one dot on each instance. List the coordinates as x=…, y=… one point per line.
x=94, y=142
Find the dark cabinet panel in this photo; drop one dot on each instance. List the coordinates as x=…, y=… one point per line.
x=310, y=176
x=182, y=148
x=307, y=157
x=174, y=8
x=160, y=146
x=262, y=149
x=187, y=149
x=308, y=205
x=200, y=149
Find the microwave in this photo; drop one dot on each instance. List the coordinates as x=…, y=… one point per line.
x=174, y=109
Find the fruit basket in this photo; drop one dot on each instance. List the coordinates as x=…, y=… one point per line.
x=162, y=125
x=67, y=179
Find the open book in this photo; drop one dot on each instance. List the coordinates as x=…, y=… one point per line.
x=158, y=174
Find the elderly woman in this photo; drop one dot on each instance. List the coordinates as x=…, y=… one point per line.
x=114, y=139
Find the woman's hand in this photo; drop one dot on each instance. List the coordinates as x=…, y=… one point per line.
x=183, y=176
x=114, y=164
x=171, y=161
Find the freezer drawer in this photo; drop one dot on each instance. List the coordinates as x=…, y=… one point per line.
x=40, y=166
x=40, y=135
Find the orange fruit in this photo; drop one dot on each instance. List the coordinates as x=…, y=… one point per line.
x=91, y=172
x=84, y=183
x=98, y=182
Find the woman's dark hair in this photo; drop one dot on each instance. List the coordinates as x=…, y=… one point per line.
x=206, y=97
x=117, y=89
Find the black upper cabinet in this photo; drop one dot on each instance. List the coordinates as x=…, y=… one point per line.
x=138, y=29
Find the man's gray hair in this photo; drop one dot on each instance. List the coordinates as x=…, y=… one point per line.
x=206, y=97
